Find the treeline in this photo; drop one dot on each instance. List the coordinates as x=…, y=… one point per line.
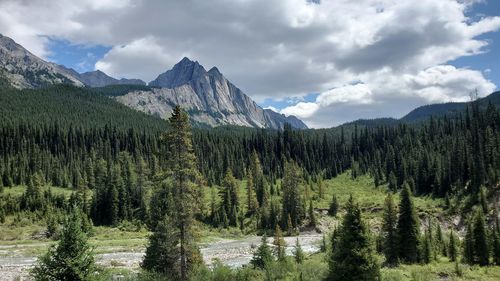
x=445, y=157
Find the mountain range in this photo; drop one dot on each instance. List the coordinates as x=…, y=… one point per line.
x=210, y=99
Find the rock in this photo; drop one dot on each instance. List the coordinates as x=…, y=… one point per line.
x=208, y=96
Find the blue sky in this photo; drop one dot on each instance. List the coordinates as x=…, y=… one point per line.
x=488, y=62
x=81, y=58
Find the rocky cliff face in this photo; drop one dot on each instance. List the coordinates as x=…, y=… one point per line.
x=207, y=95
x=25, y=70
x=100, y=79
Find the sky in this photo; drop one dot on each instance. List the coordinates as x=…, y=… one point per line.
x=326, y=62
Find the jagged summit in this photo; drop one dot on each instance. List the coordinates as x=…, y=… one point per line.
x=208, y=96
x=183, y=72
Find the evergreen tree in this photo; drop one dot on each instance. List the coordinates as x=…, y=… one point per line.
x=353, y=257
x=263, y=256
x=72, y=258
x=312, y=216
x=480, y=238
x=389, y=231
x=162, y=252
x=229, y=198
x=299, y=254
x=408, y=228
x=469, y=245
x=185, y=176
x=334, y=207
x=496, y=247
x=452, y=247
x=292, y=203
x=252, y=204
x=279, y=243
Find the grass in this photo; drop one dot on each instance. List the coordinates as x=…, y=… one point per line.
x=130, y=237
x=18, y=190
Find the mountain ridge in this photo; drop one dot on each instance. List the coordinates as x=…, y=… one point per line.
x=207, y=95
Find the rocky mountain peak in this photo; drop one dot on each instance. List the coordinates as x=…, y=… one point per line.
x=214, y=71
x=184, y=71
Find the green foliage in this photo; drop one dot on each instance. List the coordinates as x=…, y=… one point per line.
x=298, y=253
x=334, y=206
x=279, y=244
x=408, y=228
x=229, y=207
x=263, y=256
x=480, y=238
x=389, y=231
x=162, y=252
x=353, y=257
x=453, y=247
x=292, y=201
x=72, y=258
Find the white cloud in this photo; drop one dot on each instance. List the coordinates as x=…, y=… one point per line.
x=127, y=60
x=301, y=109
x=272, y=108
x=396, y=49
x=395, y=95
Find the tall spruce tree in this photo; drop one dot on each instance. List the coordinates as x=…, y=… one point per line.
x=181, y=168
x=468, y=254
x=480, y=238
x=408, y=228
x=229, y=198
x=389, y=229
x=252, y=204
x=353, y=257
x=279, y=243
x=452, y=247
x=292, y=203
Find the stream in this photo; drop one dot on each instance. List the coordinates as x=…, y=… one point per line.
x=234, y=253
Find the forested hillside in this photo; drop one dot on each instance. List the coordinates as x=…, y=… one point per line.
x=118, y=166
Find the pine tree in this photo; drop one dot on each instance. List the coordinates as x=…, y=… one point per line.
x=292, y=203
x=426, y=253
x=185, y=176
x=252, y=204
x=334, y=207
x=72, y=258
x=312, y=216
x=389, y=229
x=483, y=201
x=279, y=243
x=452, y=247
x=468, y=254
x=257, y=177
x=263, y=256
x=353, y=257
x=299, y=254
x=229, y=198
x=162, y=252
x=408, y=228
x=496, y=247
x=481, y=251
x=321, y=186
